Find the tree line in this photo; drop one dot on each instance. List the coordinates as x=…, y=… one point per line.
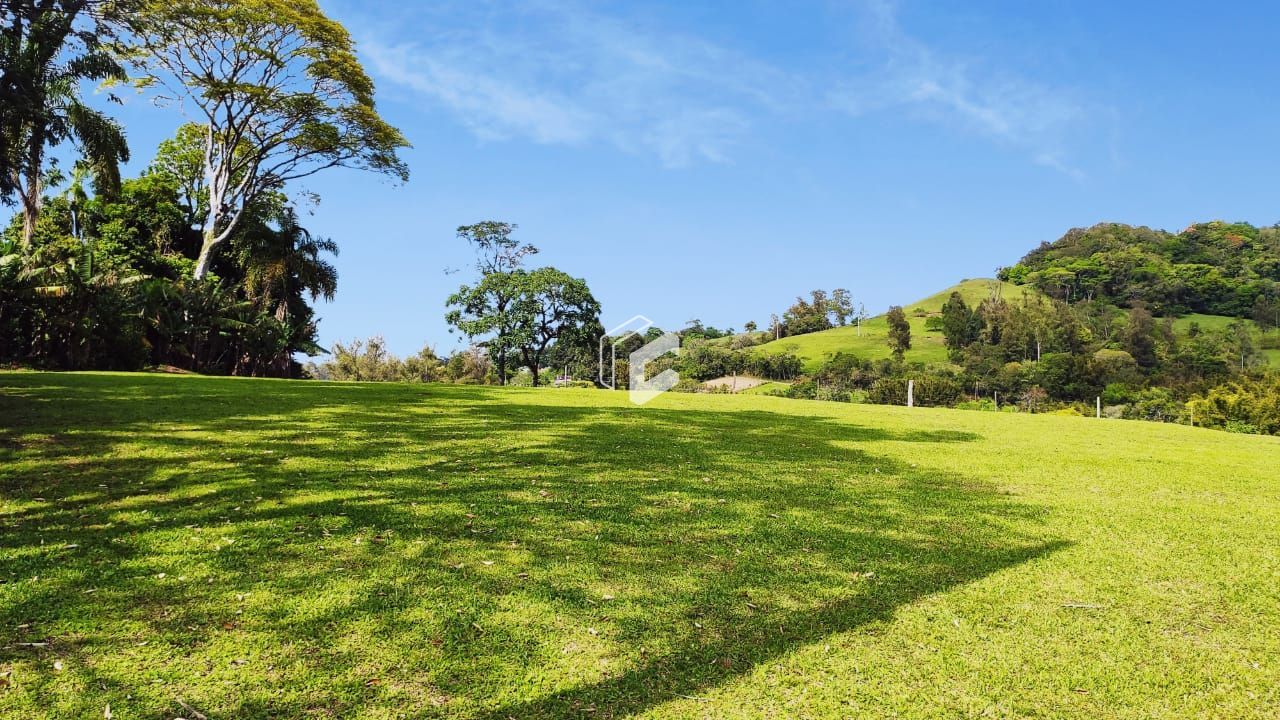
x=1215, y=268
x=1041, y=354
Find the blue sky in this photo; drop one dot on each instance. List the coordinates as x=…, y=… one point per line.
x=714, y=159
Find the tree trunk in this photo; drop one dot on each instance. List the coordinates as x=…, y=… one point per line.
x=32, y=196
x=29, y=216
x=206, y=255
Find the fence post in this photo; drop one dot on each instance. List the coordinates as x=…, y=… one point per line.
x=911, y=393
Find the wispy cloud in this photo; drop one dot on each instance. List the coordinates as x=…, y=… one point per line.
x=564, y=74
x=559, y=72
x=965, y=93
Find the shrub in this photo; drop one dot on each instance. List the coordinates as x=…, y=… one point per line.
x=1244, y=405
x=1156, y=404
x=1118, y=394
x=776, y=366
x=930, y=391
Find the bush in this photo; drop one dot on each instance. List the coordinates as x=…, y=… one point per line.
x=1118, y=394
x=930, y=391
x=777, y=366
x=1155, y=404
x=1244, y=405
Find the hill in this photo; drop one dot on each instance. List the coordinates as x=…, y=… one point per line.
x=871, y=340
x=1214, y=268
x=253, y=548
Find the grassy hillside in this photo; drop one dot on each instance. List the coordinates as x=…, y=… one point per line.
x=255, y=549
x=872, y=341
x=1217, y=322
x=927, y=346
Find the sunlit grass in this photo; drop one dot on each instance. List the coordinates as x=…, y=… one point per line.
x=273, y=549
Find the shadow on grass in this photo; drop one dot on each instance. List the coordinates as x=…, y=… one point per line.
x=478, y=553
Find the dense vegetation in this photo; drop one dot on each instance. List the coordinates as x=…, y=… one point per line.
x=201, y=262
x=1214, y=268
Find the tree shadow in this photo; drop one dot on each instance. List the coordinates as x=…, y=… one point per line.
x=716, y=540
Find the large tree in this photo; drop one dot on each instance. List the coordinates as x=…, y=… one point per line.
x=280, y=96
x=48, y=48
x=486, y=309
x=840, y=305
x=553, y=307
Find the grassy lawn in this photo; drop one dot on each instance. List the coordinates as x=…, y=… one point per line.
x=872, y=340
x=272, y=549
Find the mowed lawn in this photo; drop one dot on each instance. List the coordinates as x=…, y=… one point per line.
x=227, y=548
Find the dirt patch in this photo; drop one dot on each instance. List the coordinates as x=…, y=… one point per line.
x=736, y=383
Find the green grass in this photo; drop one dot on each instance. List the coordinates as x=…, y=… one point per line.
x=767, y=388
x=1218, y=322
x=871, y=342
x=273, y=549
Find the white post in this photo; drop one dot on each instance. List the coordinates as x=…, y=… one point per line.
x=996, y=395
x=911, y=393
x=1099, y=407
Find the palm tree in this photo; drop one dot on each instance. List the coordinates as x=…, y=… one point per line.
x=283, y=265
x=42, y=74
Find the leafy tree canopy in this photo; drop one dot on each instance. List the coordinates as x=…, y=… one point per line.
x=1216, y=267
x=280, y=95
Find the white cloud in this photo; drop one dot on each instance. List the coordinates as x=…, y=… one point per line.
x=910, y=75
x=560, y=74
x=555, y=72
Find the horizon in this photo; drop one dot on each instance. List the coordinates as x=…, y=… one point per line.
x=692, y=164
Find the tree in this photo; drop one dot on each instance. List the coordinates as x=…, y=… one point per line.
x=1240, y=340
x=552, y=307
x=899, y=332
x=960, y=325
x=487, y=307
x=750, y=326
x=281, y=94
x=488, y=310
x=1138, y=336
x=285, y=263
x=47, y=49
x=840, y=305
x=806, y=316
x=1266, y=312
x=496, y=251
